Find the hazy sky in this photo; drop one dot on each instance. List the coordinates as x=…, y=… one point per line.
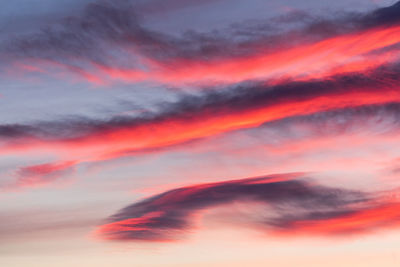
x=199, y=133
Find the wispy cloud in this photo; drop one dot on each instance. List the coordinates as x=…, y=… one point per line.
x=205, y=115
x=39, y=175
x=108, y=42
x=304, y=208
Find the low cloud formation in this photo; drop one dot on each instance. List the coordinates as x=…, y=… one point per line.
x=292, y=206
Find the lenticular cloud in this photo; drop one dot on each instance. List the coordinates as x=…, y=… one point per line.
x=309, y=208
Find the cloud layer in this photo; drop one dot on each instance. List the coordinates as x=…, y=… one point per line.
x=317, y=77
x=204, y=115
x=107, y=42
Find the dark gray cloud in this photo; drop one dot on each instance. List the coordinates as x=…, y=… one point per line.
x=232, y=100
x=162, y=6
x=169, y=215
x=106, y=32
x=383, y=16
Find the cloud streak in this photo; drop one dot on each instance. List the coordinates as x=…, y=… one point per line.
x=206, y=115
x=291, y=204
x=108, y=42
x=41, y=174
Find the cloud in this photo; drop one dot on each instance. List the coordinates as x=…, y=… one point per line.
x=42, y=174
x=336, y=137
x=361, y=221
x=353, y=131
x=290, y=204
x=108, y=42
x=383, y=16
x=203, y=115
x=358, y=100
x=163, y=6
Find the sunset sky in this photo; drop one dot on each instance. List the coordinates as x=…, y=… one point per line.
x=199, y=133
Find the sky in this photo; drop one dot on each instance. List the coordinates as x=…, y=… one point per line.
x=199, y=133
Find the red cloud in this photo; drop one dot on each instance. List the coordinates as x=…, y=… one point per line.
x=38, y=175
x=303, y=209
x=371, y=218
